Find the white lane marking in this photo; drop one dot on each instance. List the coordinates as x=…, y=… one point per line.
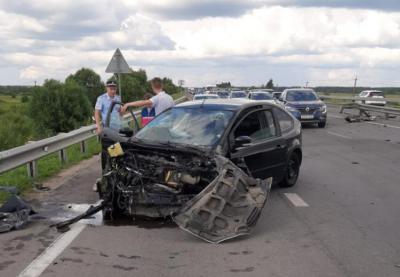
x=38, y=265
x=385, y=125
x=339, y=135
x=296, y=200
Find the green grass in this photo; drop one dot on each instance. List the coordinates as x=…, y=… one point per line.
x=47, y=167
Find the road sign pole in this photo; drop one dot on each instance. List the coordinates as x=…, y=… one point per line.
x=119, y=86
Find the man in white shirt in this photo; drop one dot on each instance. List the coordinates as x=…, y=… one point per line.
x=161, y=101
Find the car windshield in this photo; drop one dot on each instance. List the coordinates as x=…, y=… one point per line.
x=261, y=96
x=198, y=127
x=301, y=95
x=238, y=94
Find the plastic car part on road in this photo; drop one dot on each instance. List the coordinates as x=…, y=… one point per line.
x=14, y=214
x=228, y=207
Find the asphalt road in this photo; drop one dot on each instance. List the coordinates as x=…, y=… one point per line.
x=341, y=219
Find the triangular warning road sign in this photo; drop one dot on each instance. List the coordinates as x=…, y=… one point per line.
x=118, y=64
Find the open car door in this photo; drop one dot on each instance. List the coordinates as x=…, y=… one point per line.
x=119, y=128
x=228, y=207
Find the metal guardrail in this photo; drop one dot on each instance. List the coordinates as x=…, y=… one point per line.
x=29, y=153
x=363, y=108
x=362, y=99
x=359, y=104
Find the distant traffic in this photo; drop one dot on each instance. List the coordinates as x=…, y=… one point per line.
x=303, y=103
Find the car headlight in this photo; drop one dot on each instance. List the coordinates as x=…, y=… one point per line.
x=323, y=109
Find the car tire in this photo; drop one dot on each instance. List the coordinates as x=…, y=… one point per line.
x=292, y=171
x=322, y=124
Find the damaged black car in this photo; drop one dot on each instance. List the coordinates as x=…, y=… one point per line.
x=207, y=164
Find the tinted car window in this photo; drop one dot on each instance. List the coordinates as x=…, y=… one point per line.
x=223, y=94
x=261, y=96
x=257, y=125
x=270, y=124
x=285, y=121
x=238, y=94
x=301, y=95
x=376, y=93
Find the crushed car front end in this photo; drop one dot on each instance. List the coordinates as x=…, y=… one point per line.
x=204, y=193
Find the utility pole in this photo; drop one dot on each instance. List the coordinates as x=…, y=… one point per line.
x=307, y=84
x=355, y=85
x=35, y=83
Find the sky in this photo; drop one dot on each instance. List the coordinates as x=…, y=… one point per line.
x=204, y=42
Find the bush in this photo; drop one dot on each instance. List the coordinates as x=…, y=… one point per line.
x=24, y=99
x=90, y=81
x=15, y=130
x=58, y=107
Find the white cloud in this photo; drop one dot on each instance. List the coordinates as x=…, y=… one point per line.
x=246, y=42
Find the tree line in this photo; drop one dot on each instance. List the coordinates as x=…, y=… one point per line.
x=42, y=111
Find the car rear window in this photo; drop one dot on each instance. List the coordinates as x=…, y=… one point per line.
x=261, y=96
x=376, y=93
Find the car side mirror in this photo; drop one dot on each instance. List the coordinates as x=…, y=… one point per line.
x=242, y=141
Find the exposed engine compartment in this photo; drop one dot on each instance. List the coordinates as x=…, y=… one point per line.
x=155, y=182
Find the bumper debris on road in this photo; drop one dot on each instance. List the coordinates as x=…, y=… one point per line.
x=15, y=213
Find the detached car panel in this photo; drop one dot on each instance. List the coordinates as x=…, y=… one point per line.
x=228, y=207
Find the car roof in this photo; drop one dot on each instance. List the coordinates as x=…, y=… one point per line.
x=208, y=95
x=260, y=92
x=224, y=104
x=371, y=91
x=299, y=89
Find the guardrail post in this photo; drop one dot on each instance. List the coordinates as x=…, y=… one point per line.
x=32, y=169
x=83, y=146
x=63, y=155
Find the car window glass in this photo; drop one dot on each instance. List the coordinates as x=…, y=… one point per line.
x=376, y=93
x=301, y=95
x=118, y=122
x=270, y=129
x=257, y=125
x=187, y=126
x=285, y=120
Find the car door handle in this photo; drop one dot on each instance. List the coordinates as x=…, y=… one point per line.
x=279, y=146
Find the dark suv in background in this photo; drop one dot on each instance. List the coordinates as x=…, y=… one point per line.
x=311, y=108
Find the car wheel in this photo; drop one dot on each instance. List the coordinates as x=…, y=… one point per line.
x=292, y=171
x=322, y=124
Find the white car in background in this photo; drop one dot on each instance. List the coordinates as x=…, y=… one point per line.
x=379, y=97
x=205, y=96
